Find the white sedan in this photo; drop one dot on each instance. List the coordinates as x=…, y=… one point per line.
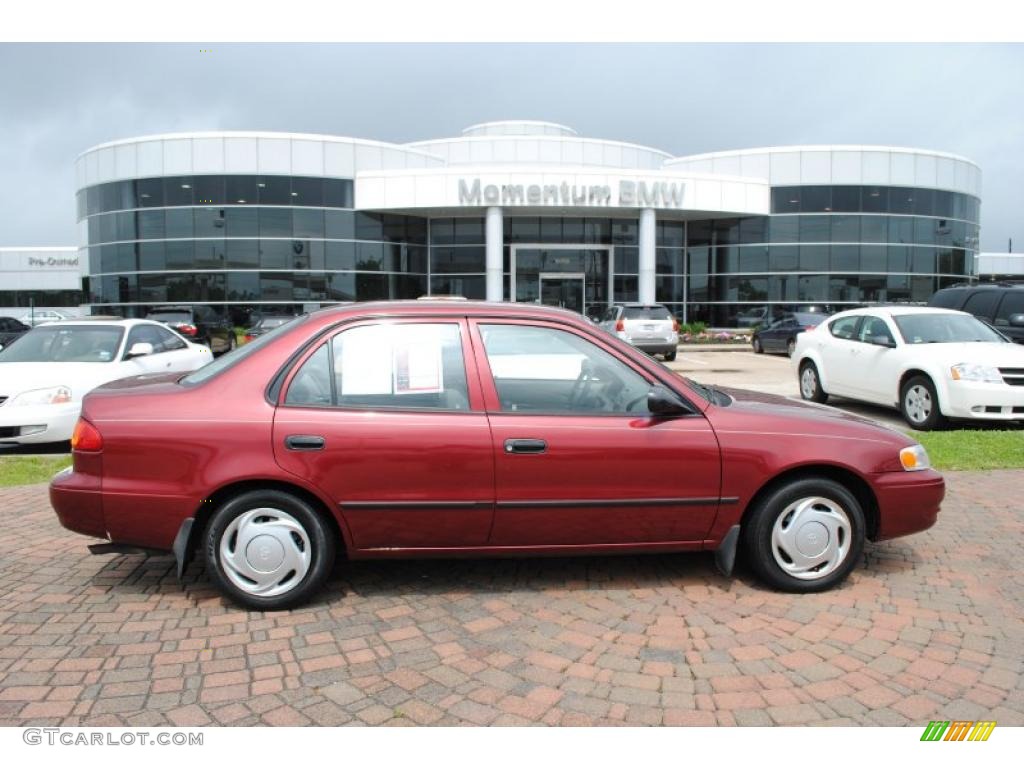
x=45, y=373
x=931, y=364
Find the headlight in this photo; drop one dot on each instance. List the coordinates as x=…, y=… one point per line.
x=915, y=458
x=49, y=396
x=968, y=372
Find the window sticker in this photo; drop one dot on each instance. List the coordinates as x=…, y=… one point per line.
x=365, y=361
x=418, y=367
x=391, y=360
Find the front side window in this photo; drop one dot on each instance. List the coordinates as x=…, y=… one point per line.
x=146, y=334
x=875, y=331
x=844, y=327
x=415, y=365
x=545, y=370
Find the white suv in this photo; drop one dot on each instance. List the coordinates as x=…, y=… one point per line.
x=650, y=328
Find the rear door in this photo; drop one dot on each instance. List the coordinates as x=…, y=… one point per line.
x=387, y=419
x=578, y=458
x=1012, y=304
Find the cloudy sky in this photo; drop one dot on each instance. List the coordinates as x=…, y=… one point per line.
x=57, y=100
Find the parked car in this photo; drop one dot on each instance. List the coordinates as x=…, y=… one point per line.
x=780, y=335
x=45, y=375
x=40, y=316
x=266, y=323
x=200, y=324
x=10, y=329
x=650, y=328
x=931, y=364
x=413, y=429
x=1001, y=306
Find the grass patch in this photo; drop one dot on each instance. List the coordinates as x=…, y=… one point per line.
x=25, y=470
x=974, y=449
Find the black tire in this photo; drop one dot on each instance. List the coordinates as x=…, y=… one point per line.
x=810, y=383
x=919, y=404
x=757, y=534
x=670, y=356
x=790, y=347
x=321, y=540
x=758, y=349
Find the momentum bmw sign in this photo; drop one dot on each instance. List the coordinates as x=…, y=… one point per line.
x=627, y=193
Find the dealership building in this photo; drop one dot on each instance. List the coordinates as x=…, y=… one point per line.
x=517, y=211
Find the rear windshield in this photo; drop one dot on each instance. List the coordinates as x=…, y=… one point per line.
x=646, y=313
x=809, y=318
x=170, y=317
x=231, y=359
x=66, y=344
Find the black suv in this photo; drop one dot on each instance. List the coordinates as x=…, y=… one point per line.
x=10, y=329
x=999, y=305
x=200, y=324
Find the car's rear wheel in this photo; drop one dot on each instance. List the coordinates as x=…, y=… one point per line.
x=268, y=550
x=810, y=383
x=670, y=356
x=920, y=405
x=758, y=349
x=806, y=535
x=791, y=347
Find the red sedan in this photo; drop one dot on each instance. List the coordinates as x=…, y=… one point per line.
x=449, y=429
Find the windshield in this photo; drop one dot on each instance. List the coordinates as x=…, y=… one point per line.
x=231, y=359
x=646, y=313
x=66, y=344
x=944, y=329
x=170, y=317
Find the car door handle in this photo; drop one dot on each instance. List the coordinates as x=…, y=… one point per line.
x=528, y=445
x=304, y=443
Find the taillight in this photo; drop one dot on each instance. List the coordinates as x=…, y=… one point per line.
x=188, y=330
x=86, y=437
x=675, y=325
x=249, y=337
x=620, y=326
x=810, y=327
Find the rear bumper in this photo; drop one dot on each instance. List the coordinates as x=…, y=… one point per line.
x=77, y=500
x=908, y=502
x=38, y=423
x=655, y=347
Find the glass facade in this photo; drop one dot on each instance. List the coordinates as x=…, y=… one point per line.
x=282, y=243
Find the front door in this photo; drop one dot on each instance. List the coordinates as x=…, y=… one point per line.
x=564, y=291
x=578, y=458
x=386, y=420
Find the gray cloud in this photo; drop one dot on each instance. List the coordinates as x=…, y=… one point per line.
x=57, y=100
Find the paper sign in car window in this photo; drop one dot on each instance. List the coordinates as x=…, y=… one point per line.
x=365, y=362
x=418, y=367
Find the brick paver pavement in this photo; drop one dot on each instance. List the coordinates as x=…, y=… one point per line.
x=930, y=626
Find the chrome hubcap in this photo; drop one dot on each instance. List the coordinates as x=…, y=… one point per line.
x=808, y=383
x=265, y=552
x=811, y=538
x=918, y=403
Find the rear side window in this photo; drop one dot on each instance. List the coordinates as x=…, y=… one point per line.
x=646, y=313
x=416, y=365
x=948, y=299
x=1012, y=304
x=844, y=327
x=982, y=304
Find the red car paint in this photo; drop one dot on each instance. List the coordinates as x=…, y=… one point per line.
x=406, y=483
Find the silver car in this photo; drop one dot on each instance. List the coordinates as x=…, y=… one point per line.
x=650, y=328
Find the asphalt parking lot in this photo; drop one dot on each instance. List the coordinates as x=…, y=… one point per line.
x=928, y=627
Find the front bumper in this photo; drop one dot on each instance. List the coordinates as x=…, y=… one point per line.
x=982, y=400
x=908, y=502
x=38, y=423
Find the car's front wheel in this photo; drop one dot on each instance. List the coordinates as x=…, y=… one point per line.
x=758, y=349
x=791, y=347
x=810, y=383
x=806, y=535
x=919, y=404
x=268, y=550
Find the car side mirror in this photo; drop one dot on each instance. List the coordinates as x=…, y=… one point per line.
x=139, y=349
x=665, y=404
x=1017, y=321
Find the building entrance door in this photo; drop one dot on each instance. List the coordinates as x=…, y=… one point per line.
x=562, y=290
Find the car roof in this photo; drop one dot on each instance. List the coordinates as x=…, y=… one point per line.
x=901, y=311
x=415, y=307
x=119, y=321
